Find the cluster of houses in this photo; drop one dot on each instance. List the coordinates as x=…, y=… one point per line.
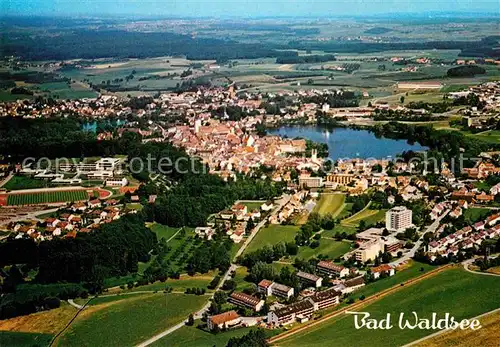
x=80, y=218
x=465, y=238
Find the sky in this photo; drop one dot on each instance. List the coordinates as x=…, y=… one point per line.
x=242, y=8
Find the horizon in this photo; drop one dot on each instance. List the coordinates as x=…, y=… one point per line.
x=247, y=9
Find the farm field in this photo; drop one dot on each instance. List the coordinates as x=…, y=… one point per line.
x=445, y=292
x=23, y=182
x=271, y=235
x=128, y=322
x=185, y=281
x=330, y=204
x=487, y=336
x=47, y=197
x=18, y=339
x=332, y=249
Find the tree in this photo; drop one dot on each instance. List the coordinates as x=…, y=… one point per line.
x=402, y=99
x=190, y=320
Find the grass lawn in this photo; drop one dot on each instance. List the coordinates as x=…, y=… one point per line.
x=253, y=205
x=23, y=182
x=345, y=211
x=332, y=249
x=339, y=228
x=271, y=235
x=131, y=321
x=162, y=231
x=454, y=291
x=18, y=339
x=330, y=204
x=475, y=214
x=482, y=186
x=194, y=337
x=491, y=136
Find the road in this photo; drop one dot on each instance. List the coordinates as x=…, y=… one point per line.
x=469, y=262
x=431, y=228
x=199, y=314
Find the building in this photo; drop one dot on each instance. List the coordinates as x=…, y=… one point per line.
x=419, y=85
x=306, y=181
x=369, y=250
x=309, y=279
x=398, y=219
x=224, y=320
x=325, y=298
x=330, y=269
x=264, y=287
x=299, y=310
x=382, y=269
x=343, y=179
x=245, y=300
x=281, y=290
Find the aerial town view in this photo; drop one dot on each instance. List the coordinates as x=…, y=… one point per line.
x=249, y=173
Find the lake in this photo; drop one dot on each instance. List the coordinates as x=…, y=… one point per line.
x=348, y=143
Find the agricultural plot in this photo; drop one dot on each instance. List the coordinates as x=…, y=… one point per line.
x=454, y=291
x=47, y=197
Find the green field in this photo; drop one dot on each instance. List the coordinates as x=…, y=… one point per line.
x=332, y=249
x=131, y=321
x=47, y=197
x=23, y=182
x=18, y=339
x=162, y=231
x=194, y=337
x=475, y=214
x=454, y=291
x=491, y=136
x=368, y=215
x=253, y=205
x=330, y=204
x=271, y=235
x=196, y=281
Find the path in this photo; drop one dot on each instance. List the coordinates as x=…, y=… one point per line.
x=174, y=235
x=75, y=305
x=7, y=179
x=284, y=200
x=469, y=262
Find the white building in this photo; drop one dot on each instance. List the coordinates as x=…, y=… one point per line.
x=398, y=219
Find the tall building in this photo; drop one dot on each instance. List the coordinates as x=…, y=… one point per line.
x=398, y=219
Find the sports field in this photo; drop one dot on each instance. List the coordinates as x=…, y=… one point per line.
x=454, y=291
x=330, y=204
x=47, y=197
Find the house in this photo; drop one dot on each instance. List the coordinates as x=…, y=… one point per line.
x=309, y=279
x=226, y=214
x=382, y=269
x=245, y=300
x=224, y=320
x=94, y=203
x=267, y=206
x=204, y=232
x=289, y=314
x=330, y=269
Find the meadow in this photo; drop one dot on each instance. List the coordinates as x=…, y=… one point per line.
x=330, y=204
x=327, y=247
x=445, y=292
x=47, y=197
x=271, y=235
x=23, y=182
x=129, y=321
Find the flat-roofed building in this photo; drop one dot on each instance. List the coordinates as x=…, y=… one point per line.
x=398, y=219
x=281, y=290
x=325, y=298
x=264, y=287
x=343, y=179
x=369, y=250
